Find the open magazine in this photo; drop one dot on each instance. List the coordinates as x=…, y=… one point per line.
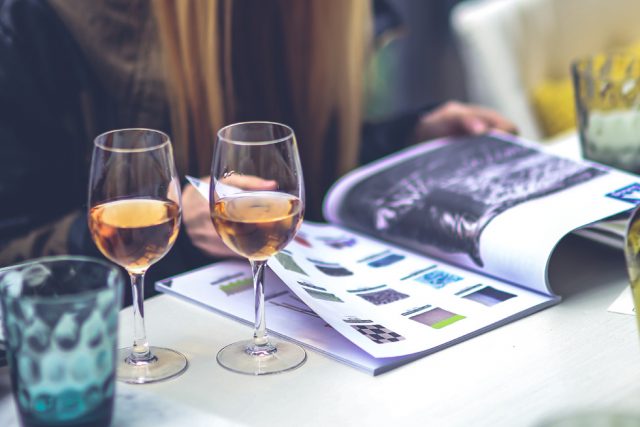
x=423, y=249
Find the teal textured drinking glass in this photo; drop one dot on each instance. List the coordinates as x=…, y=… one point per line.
x=60, y=321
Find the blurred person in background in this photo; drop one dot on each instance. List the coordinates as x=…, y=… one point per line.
x=72, y=69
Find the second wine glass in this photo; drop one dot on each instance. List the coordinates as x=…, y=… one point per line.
x=134, y=218
x=257, y=205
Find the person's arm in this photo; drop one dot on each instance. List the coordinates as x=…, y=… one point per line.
x=430, y=122
x=198, y=226
x=383, y=137
x=196, y=216
x=49, y=239
x=457, y=118
x=42, y=166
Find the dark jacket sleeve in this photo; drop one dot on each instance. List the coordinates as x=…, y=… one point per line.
x=381, y=138
x=44, y=152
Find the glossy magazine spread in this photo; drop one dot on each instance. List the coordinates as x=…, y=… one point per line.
x=422, y=249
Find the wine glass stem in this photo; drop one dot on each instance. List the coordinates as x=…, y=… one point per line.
x=140, y=351
x=260, y=338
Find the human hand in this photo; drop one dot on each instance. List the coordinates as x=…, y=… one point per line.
x=197, y=221
x=233, y=182
x=456, y=118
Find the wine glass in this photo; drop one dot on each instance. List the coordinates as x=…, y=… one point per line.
x=134, y=218
x=257, y=204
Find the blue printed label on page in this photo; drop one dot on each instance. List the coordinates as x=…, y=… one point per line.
x=630, y=193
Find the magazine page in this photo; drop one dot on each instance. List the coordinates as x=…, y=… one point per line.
x=494, y=204
x=227, y=288
x=390, y=301
x=363, y=302
x=394, y=304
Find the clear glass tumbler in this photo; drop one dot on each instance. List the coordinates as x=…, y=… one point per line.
x=607, y=95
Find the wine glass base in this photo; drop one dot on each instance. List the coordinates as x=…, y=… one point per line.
x=237, y=357
x=165, y=364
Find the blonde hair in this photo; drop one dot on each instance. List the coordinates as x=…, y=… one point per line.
x=310, y=76
x=189, y=36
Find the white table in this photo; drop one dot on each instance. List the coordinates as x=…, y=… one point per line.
x=573, y=357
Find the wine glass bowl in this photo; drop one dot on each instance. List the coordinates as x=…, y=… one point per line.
x=134, y=218
x=135, y=233
x=257, y=225
x=257, y=206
